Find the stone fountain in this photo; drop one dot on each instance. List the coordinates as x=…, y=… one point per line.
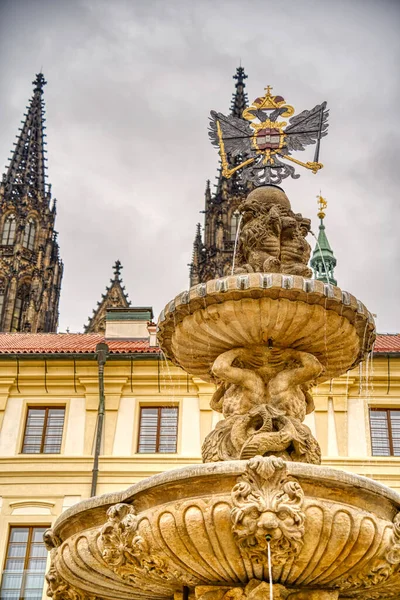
x=260, y=519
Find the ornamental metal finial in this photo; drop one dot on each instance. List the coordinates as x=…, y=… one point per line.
x=322, y=204
x=257, y=149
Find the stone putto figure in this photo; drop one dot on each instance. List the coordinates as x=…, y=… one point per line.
x=272, y=237
x=264, y=396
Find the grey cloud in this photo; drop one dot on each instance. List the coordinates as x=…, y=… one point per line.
x=130, y=86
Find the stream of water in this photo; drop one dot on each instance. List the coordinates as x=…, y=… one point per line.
x=236, y=243
x=271, y=585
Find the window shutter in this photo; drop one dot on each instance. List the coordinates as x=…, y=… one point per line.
x=379, y=432
x=148, y=429
x=43, y=430
x=395, y=430
x=54, y=430
x=168, y=429
x=158, y=429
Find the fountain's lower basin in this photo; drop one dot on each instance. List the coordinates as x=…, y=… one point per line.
x=206, y=525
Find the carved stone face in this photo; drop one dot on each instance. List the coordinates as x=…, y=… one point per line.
x=275, y=521
x=268, y=509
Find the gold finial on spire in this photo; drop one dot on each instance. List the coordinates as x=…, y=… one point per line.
x=322, y=204
x=268, y=89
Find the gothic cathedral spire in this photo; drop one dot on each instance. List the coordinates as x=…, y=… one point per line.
x=212, y=258
x=239, y=98
x=30, y=267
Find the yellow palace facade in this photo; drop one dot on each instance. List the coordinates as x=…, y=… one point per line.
x=155, y=418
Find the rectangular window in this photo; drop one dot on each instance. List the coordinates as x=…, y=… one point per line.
x=385, y=431
x=158, y=429
x=43, y=430
x=25, y=566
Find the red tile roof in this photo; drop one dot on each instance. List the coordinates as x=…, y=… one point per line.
x=85, y=343
x=387, y=342
x=69, y=343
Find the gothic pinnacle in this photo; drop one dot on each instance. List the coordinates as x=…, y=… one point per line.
x=39, y=83
x=239, y=98
x=115, y=296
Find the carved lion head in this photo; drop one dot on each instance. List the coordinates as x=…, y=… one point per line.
x=268, y=509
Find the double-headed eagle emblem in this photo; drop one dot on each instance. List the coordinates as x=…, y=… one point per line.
x=259, y=150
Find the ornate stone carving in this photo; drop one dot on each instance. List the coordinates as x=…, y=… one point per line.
x=123, y=549
x=272, y=238
x=264, y=397
x=129, y=554
x=267, y=506
x=381, y=568
x=59, y=589
x=51, y=540
x=393, y=553
x=260, y=590
x=262, y=431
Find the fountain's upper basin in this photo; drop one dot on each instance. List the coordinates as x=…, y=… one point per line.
x=206, y=524
x=284, y=310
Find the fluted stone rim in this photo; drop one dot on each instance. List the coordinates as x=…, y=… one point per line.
x=266, y=285
x=328, y=476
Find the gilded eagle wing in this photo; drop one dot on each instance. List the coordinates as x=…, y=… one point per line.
x=306, y=128
x=236, y=134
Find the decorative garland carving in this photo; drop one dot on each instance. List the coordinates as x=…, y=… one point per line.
x=268, y=504
x=123, y=549
x=381, y=568
x=59, y=589
x=128, y=554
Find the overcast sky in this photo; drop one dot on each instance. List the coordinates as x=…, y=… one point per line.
x=130, y=87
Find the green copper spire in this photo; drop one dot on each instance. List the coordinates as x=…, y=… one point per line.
x=323, y=261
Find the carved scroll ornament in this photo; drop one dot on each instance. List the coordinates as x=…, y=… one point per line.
x=123, y=549
x=129, y=554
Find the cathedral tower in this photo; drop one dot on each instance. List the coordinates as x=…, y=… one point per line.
x=212, y=256
x=30, y=266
